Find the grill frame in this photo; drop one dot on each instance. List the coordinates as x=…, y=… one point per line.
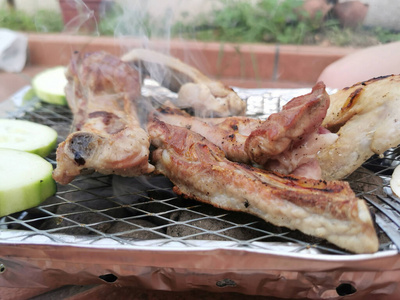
x=275, y=244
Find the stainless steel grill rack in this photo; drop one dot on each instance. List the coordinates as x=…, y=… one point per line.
x=95, y=215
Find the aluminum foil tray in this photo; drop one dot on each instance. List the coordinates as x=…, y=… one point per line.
x=137, y=232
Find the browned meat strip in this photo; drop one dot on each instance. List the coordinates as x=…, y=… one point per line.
x=226, y=133
x=205, y=96
x=287, y=142
x=200, y=170
x=298, y=118
x=101, y=92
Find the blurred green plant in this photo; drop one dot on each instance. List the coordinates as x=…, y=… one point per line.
x=117, y=21
x=110, y=20
x=334, y=34
x=42, y=21
x=238, y=21
x=16, y=20
x=385, y=35
x=276, y=21
x=48, y=21
x=261, y=21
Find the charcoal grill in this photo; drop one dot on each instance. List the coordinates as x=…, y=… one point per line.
x=137, y=232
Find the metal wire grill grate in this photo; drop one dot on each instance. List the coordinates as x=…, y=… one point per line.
x=98, y=209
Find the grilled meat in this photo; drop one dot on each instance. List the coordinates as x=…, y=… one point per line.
x=366, y=118
x=108, y=138
x=199, y=170
x=290, y=139
x=205, y=96
x=226, y=133
x=287, y=142
x=298, y=118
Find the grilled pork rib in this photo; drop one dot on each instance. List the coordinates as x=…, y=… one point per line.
x=226, y=133
x=101, y=92
x=298, y=118
x=205, y=96
x=287, y=142
x=200, y=170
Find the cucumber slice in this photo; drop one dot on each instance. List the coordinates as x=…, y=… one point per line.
x=49, y=85
x=28, y=95
x=25, y=181
x=27, y=136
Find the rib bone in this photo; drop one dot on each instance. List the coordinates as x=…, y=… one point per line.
x=199, y=169
x=195, y=90
x=101, y=92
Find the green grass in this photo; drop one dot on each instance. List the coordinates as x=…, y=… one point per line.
x=241, y=21
x=42, y=21
x=264, y=21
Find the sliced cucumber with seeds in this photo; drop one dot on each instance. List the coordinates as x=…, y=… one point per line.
x=49, y=85
x=25, y=181
x=27, y=136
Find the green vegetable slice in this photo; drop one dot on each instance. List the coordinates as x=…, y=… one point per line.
x=49, y=85
x=27, y=136
x=25, y=181
x=28, y=95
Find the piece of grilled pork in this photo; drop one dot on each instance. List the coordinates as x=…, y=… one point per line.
x=199, y=170
x=102, y=92
x=287, y=142
x=229, y=134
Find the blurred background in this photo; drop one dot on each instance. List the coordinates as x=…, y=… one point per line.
x=313, y=22
x=244, y=43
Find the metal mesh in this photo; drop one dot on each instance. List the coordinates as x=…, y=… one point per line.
x=99, y=210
